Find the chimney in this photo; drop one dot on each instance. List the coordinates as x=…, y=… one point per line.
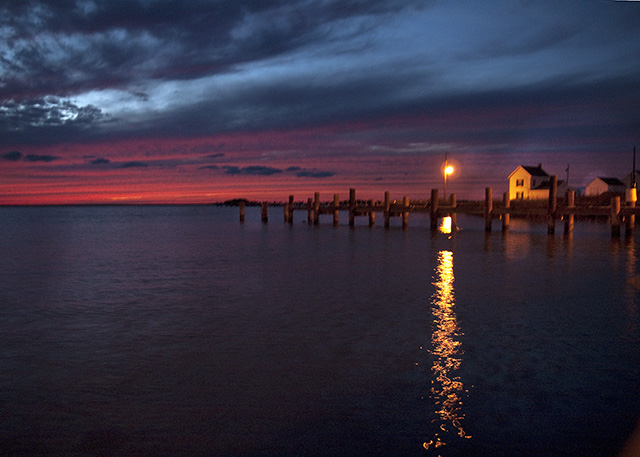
x=540, y=165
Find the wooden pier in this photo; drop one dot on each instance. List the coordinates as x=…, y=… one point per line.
x=617, y=214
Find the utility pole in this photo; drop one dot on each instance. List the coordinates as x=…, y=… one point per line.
x=633, y=173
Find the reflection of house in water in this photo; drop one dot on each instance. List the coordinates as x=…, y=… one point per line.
x=447, y=388
x=531, y=183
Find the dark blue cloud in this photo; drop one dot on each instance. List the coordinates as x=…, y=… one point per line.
x=133, y=164
x=256, y=170
x=100, y=161
x=12, y=156
x=314, y=174
x=40, y=158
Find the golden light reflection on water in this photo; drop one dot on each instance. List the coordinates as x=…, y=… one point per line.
x=447, y=388
x=445, y=227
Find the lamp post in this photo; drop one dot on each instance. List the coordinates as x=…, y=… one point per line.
x=446, y=170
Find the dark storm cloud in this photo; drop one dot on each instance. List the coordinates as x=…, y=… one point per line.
x=303, y=173
x=256, y=170
x=65, y=46
x=100, y=70
x=40, y=158
x=12, y=156
x=100, y=161
x=133, y=164
x=44, y=119
x=15, y=156
x=314, y=174
x=209, y=167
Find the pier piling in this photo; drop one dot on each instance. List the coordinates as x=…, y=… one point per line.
x=352, y=207
x=567, y=210
x=454, y=213
x=405, y=213
x=615, y=217
x=387, y=209
x=310, y=215
x=488, y=208
x=372, y=214
x=316, y=208
x=433, y=210
x=630, y=219
x=569, y=217
x=553, y=204
x=506, y=217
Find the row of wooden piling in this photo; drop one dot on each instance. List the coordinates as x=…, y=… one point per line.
x=314, y=208
x=615, y=212
x=389, y=208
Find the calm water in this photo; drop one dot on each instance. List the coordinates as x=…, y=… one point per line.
x=135, y=331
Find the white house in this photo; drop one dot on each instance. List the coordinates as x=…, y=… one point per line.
x=531, y=183
x=601, y=185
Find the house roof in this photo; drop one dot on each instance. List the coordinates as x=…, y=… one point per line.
x=545, y=185
x=535, y=171
x=611, y=181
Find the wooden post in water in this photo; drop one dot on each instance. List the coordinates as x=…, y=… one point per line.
x=372, y=214
x=615, y=217
x=387, y=209
x=309, y=211
x=506, y=217
x=405, y=213
x=241, y=211
x=488, y=208
x=630, y=220
x=336, y=213
x=553, y=205
x=265, y=212
x=290, y=211
x=433, y=210
x=454, y=214
x=316, y=208
x=352, y=207
x=569, y=217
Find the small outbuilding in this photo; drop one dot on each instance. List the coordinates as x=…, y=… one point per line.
x=601, y=185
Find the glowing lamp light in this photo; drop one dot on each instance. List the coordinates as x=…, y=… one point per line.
x=447, y=170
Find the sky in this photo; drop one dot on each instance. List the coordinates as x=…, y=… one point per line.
x=155, y=101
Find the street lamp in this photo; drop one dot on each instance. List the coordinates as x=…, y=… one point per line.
x=446, y=170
